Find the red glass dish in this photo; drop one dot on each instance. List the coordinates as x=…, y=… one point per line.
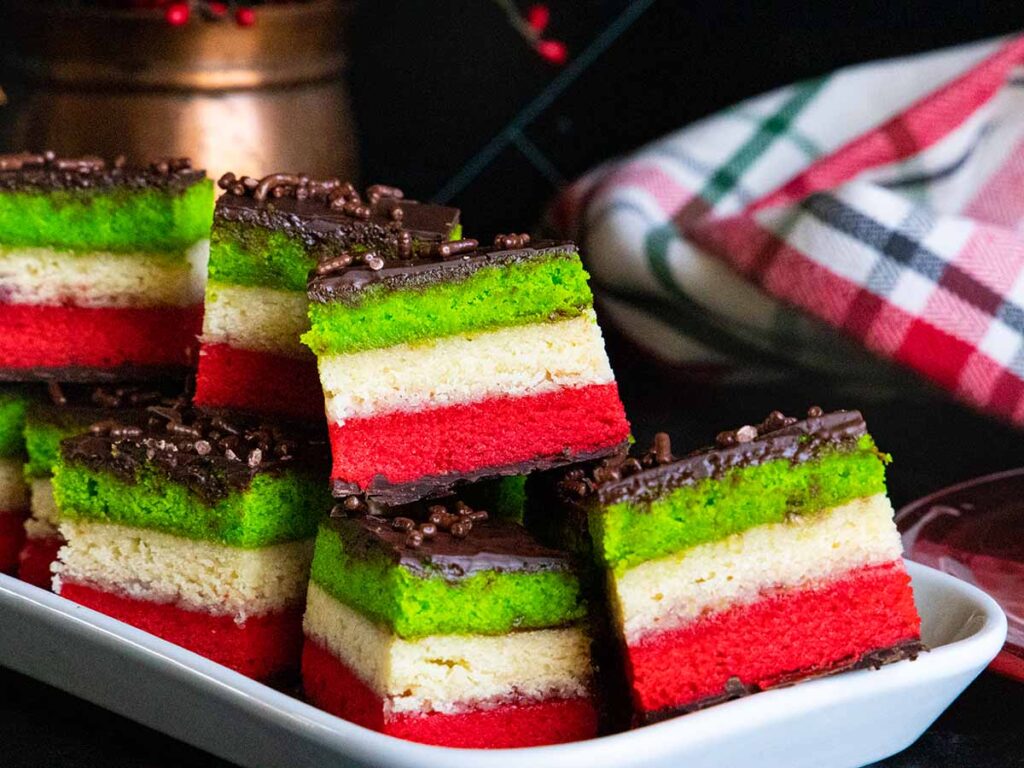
x=975, y=531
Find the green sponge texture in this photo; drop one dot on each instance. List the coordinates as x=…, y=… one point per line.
x=626, y=534
x=413, y=605
x=493, y=297
x=273, y=509
x=243, y=254
x=12, y=423
x=42, y=443
x=116, y=219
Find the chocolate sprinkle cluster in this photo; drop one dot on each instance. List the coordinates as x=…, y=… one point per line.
x=211, y=453
x=337, y=195
x=657, y=471
x=454, y=519
x=581, y=482
x=113, y=397
x=776, y=420
x=49, y=170
x=520, y=240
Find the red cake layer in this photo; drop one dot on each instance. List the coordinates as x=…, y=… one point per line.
x=35, y=559
x=405, y=446
x=331, y=685
x=785, y=633
x=12, y=536
x=258, y=381
x=61, y=337
x=263, y=647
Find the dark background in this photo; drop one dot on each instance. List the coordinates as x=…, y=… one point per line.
x=454, y=106
x=436, y=83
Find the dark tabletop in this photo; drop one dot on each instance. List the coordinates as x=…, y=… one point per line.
x=934, y=441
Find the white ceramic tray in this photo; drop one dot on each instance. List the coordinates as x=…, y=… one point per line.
x=846, y=720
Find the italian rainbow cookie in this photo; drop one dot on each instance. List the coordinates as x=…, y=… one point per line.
x=68, y=411
x=458, y=364
x=268, y=235
x=101, y=267
x=439, y=625
x=195, y=528
x=14, y=500
x=767, y=559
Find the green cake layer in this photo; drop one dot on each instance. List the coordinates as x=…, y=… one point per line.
x=492, y=297
x=626, y=534
x=42, y=444
x=244, y=254
x=13, y=403
x=117, y=219
x=415, y=605
x=272, y=509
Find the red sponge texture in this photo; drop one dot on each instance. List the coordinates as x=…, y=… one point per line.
x=406, y=446
x=229, y=377
x=332, y=686
x=58, y=337
x=786, y=632
x=264, y=647
x=12, y=537
x=35, y=559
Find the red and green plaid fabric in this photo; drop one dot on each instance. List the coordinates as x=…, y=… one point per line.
x=842, y=224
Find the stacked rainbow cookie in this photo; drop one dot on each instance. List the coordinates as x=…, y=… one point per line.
x=69, y=410
x=460, y=363
x=14, y=501
x=767, y=559
x=268, y=235
x=196, y=528
x=101, y=267
x=440, y=625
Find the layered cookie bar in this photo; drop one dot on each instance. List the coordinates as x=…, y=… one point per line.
x=268, y=235
x=69, y=410
x=101, y=267
x=196, y=528
x=439, y=625
x=460, y=363
x=767, y=559
x=13, y=490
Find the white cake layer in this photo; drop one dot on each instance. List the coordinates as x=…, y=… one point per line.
x=673, y=591
x=44, y=276
x=194, y=575
x=256, y=318
x=13, y=488
x=511, y=362
x=444, y=673
x=45, y=518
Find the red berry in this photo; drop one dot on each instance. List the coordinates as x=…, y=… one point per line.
x=217, y=9
x=177, y=14
x=553, y=51
x=245, y=17
x=538, y=16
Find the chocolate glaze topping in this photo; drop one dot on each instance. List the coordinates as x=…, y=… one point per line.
x=655, y=473
x=210, y=454
x=384, y=492
x=430, y=267
x=46, y=171
x=444, y=537
x=330, y=216
x=122, y=373
x=80, y=404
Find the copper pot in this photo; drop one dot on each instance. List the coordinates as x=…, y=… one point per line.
x=253, y=100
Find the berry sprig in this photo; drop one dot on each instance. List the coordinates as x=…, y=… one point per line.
x=178, y=13
x=532, y=25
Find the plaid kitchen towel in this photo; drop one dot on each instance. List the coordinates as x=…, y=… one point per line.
x=876, y=213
